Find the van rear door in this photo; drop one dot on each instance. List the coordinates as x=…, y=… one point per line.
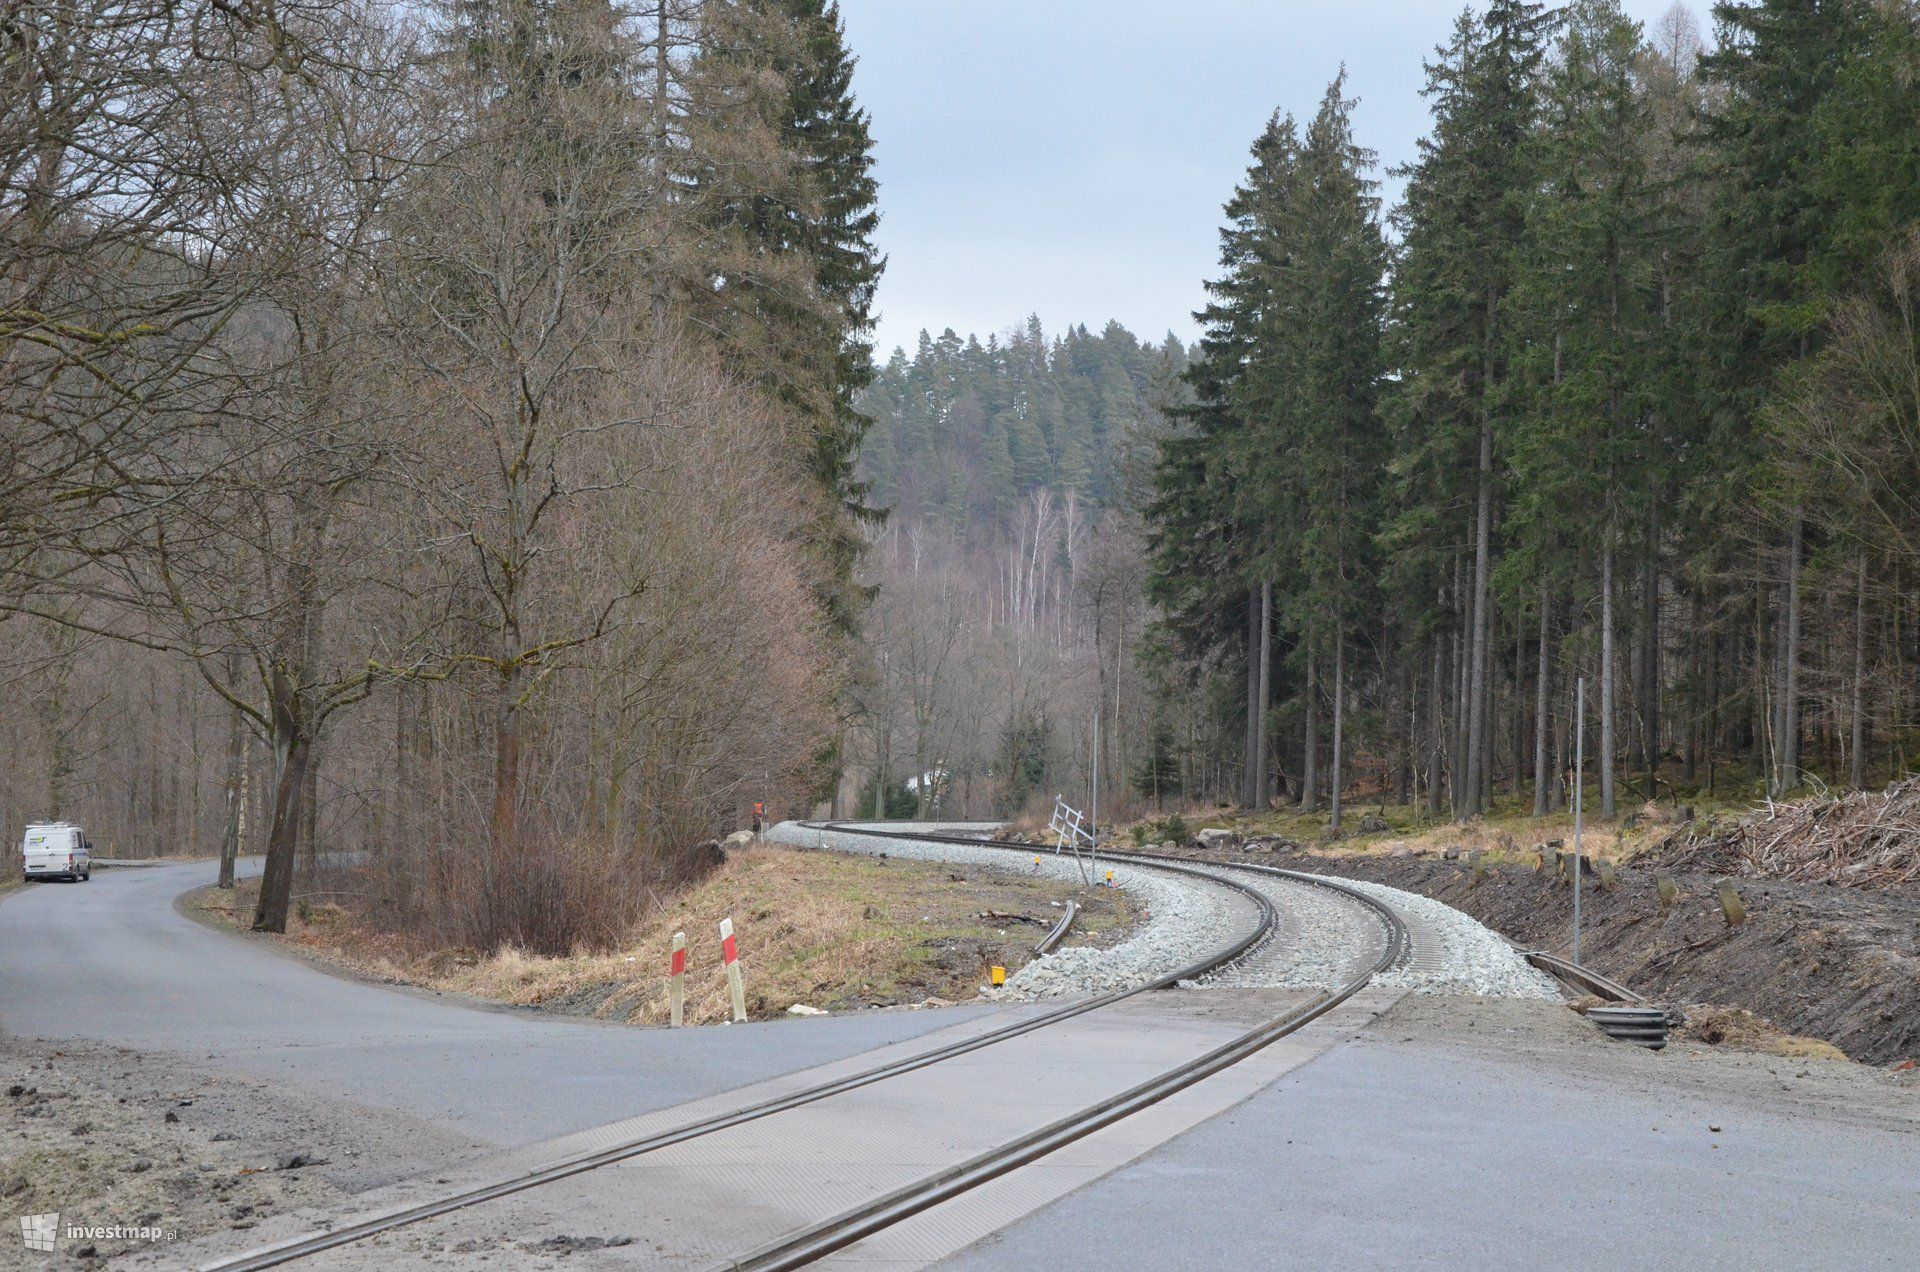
x=39, y=852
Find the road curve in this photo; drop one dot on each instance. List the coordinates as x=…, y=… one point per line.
x=112, y=961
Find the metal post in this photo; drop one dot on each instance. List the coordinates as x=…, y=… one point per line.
x=1579, y=780
x=1094, y=839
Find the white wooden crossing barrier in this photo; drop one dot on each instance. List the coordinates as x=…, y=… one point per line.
x=737, y=987
x=677, y=980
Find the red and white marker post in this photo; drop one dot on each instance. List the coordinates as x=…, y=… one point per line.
x=677, y=980
x=735, y=985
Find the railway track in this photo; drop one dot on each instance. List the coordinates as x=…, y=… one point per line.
x=817, y=1240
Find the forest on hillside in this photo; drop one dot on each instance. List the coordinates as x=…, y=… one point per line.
x=380, y=385
x=1622, y=392
x=1008, y=580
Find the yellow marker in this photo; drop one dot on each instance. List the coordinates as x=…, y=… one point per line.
x=999, y=975
x=1109, y=878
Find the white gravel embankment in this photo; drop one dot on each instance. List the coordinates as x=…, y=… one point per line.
x=1323, y=939
x=1185, y=920
x=1454, y=953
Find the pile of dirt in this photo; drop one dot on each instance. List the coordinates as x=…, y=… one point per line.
x=1832, y=963
x=1863, y=839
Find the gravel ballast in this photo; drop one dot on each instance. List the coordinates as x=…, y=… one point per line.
x=1453, y=953
x=1323, y=939
x=1186, y=919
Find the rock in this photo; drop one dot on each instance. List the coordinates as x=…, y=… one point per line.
x=738, y=839
x=801, y=1009
x=1401, y=851
x=1372, y=825
x=1451, y=854
x=1216, y=837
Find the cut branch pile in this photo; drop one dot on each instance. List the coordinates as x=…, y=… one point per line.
x=1864, y=839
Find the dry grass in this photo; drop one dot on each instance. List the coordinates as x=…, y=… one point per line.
x=1742, y=1030
x=828, y=930
x=1509, y=835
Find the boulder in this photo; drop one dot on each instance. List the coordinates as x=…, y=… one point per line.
x=739, y=839
x=709, y=855
x=1371, y=825
x=1216, y=837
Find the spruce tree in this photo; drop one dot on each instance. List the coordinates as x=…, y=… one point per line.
x=796, y=278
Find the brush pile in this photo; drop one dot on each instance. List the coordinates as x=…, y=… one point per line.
x=1863, y=839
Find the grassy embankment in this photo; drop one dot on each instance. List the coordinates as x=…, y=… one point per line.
x=1506, y=834
x=828, y=930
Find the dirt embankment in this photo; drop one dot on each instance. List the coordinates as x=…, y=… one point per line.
x=135, y=1152
x=830, y=931
x=1836, y=963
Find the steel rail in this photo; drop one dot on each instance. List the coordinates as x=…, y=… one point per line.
x=1059, y=931
x=313, y=1243
x=1581, y=977
x=818, y=1240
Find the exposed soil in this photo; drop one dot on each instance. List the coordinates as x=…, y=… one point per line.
x=1834, y=963
x=106, y=1136
x=830, y=931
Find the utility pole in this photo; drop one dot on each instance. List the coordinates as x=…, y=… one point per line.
x=1095, y=815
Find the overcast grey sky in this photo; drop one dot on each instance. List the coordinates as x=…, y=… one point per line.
x=1070, y=157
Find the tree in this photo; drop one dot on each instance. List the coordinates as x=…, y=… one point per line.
x=1588, y=445
x=795, y=267
x=1463, y=215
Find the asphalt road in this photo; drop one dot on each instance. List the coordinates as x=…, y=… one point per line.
x=1394, y=1152
x=113, y=961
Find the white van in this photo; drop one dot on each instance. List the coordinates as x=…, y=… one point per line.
x=56, y=850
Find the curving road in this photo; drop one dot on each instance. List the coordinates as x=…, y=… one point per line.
x=112, y=961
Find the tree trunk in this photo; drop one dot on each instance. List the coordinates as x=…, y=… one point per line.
x=310, y=812
x=1309, y=774
x=1857, y=771
x=1541, y=699
x=1790, y=680
x=1650, y=654
x=1607, y=801
x=235, y=783
x=1518, y=733
x=290, y=746
x=1339, y=721
x=1436, y=748
x=1247, y=788
x=1404, y=710
x=1261, y=776
x=506, y=760
x=1477, y=679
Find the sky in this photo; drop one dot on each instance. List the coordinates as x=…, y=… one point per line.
x=1070, y=157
